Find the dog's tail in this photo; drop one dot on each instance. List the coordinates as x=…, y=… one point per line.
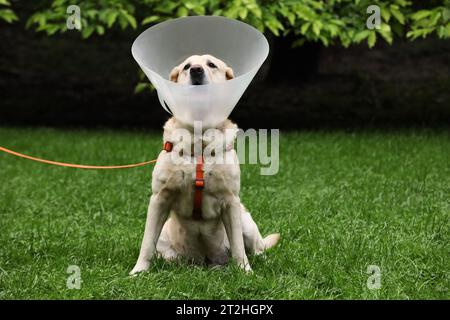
x=271, y=240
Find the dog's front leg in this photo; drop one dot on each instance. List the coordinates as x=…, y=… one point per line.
x=232, y=221
x=158, y=211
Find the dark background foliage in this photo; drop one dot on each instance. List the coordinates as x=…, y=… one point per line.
x=64, y=80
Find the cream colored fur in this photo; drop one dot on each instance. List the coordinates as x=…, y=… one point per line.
x=227, y=228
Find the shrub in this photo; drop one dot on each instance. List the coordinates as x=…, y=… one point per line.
x=325, y=21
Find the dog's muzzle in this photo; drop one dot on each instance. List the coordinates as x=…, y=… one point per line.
x=197, y=75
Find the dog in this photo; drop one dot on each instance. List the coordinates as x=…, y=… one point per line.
x=226, y=227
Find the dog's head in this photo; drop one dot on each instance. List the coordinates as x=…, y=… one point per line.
x=198, y=70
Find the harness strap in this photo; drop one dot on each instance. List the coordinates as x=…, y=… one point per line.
x=199, y=183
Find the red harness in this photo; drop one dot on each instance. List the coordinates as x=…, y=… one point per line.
x=199, y=183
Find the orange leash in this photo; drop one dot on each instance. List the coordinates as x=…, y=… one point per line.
x=168, y=146
x=72, y=165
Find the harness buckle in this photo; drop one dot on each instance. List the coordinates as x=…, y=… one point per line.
x=199, y=183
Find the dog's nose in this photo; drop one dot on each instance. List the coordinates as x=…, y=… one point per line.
x=196, y=71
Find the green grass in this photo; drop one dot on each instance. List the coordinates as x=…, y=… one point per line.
x=341, y=201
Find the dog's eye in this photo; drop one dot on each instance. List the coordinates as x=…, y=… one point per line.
x=187, y=66
x=212, y=65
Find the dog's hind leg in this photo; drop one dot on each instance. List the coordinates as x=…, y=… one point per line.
x=253, y=241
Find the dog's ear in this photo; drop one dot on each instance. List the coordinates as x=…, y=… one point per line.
x=174, y=74
x=229, y=73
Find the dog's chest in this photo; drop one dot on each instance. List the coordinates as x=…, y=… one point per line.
x=220, y=180
x=215, y=186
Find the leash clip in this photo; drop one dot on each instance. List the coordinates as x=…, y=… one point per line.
x=168, y=146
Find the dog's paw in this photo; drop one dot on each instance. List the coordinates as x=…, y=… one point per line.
x=140, y=266
x=246, y=267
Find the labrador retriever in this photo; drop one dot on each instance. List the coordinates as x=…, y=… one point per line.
x=226, y=227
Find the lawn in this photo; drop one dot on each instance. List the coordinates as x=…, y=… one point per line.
x=341, y=201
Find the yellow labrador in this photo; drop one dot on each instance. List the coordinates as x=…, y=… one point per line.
x=226, y=226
